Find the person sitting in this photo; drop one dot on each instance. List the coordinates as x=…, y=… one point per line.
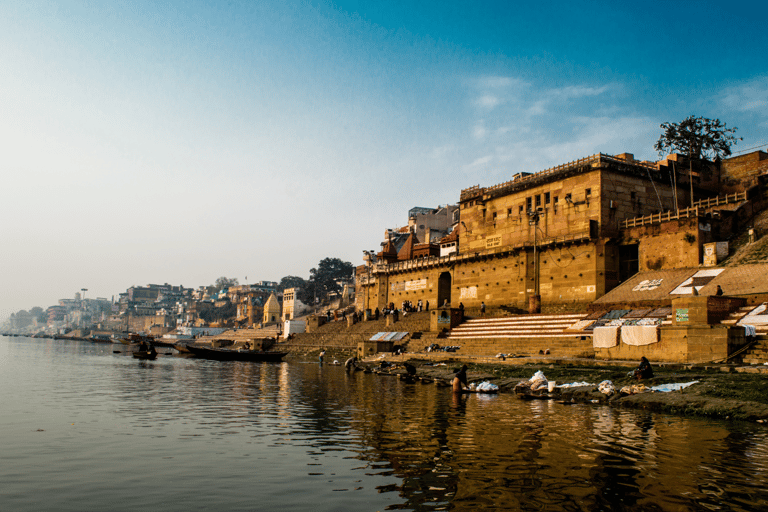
x=644, y=370
x=460, y=380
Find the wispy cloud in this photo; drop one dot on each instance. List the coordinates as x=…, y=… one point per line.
x=487, y=101
x=483, y=160
x=750, y=96
x=497, y=82
x=479, y=132
x=576, y=91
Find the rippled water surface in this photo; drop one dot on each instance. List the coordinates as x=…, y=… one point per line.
x=84, y=428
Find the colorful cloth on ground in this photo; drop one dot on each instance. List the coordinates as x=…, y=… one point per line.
x=605, y=337
x=666, y=388
x=637, y=335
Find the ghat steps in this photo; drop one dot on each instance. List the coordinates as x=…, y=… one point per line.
x=521, y=326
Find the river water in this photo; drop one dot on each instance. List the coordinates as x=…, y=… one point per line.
x=84, y=428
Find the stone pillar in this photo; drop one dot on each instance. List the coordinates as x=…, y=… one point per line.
x=534, y=304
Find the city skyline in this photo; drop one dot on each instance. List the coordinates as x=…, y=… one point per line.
x=147, y=144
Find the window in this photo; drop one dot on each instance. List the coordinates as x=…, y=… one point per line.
x=588, y=193
x=509, y=212
x=529, y=203
x=546, y=198
x=494, y=215
x=520, y=212
x=538, y=200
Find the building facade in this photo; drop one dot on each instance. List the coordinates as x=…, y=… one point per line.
x=564, y=237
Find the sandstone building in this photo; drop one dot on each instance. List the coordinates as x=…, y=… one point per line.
x=565, y=236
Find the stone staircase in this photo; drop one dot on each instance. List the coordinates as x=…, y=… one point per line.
x=520, y=326
x=757, y=353
x=737, y=315
x=523, y=335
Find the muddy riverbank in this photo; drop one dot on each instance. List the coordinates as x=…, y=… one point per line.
x=723, y=392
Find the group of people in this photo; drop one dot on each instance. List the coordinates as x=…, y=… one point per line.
x=147, y=348
x=408, y=306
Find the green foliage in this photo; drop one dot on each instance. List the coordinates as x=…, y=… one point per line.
x=328, y=275
x=697, y=137
x=295, y=282
x=291, y=282
x=224, y=282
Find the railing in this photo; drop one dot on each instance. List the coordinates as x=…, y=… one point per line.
x=717, y=201
x=597, y=158
x=657, y=218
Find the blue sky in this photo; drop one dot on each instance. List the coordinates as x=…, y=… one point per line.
x=152, y=142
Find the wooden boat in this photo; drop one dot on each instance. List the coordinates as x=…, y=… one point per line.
x=145, y=354
x=133, y=339
x=182, y=347
x=225, y=354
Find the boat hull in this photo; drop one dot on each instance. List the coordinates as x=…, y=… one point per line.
x=145, y=355
x=222, y=354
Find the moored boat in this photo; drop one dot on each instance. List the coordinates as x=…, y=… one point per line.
x=225, y=354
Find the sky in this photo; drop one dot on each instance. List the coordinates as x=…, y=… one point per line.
x=180, y=141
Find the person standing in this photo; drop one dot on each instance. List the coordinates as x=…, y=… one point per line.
x=482, y=309
x=322, y=354
x=460, y=380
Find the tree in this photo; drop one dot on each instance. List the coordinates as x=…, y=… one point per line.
x=224, y=282
x=295, y=282
x=326, y=277
x=38, y=313
x=697, y=137
x=291, y=282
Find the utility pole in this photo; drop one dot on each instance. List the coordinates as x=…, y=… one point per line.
x=534, y=301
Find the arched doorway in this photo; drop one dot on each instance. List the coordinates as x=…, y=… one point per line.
x=444, y=288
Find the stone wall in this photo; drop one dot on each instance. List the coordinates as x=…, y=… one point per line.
x=742, y=172
x=569, y=275
x=672, y=244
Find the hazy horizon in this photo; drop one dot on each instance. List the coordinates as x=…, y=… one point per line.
x=180, y=142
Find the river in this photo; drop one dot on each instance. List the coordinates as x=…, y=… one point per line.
x=85, y=428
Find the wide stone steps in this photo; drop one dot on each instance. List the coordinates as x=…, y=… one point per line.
x=522, y=326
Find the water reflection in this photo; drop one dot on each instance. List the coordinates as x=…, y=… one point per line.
x=300, y=436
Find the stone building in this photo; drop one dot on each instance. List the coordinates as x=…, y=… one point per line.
x=292, y=306
x=271, y=310
x=562, y=237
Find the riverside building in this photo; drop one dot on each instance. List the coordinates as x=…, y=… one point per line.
x=559, y=239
